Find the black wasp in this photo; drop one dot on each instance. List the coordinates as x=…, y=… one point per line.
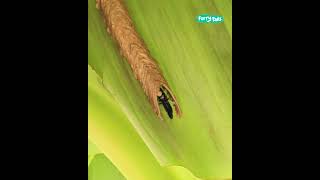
x=164, y=101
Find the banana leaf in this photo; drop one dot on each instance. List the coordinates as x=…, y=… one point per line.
x=196, y=61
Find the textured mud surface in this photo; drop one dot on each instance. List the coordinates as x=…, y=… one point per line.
x=120, y=27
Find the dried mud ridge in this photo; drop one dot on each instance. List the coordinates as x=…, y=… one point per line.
x=120, y=27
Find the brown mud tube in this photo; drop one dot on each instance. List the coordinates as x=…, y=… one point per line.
x=147, y=72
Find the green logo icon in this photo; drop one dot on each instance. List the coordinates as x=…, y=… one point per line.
x=205, y=18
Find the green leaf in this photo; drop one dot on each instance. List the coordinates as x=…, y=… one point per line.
x=113, y=134
x=102, y=169
x=196, y=60
x=92, y=151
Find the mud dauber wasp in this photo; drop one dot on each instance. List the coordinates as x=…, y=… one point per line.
x=162, y=98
